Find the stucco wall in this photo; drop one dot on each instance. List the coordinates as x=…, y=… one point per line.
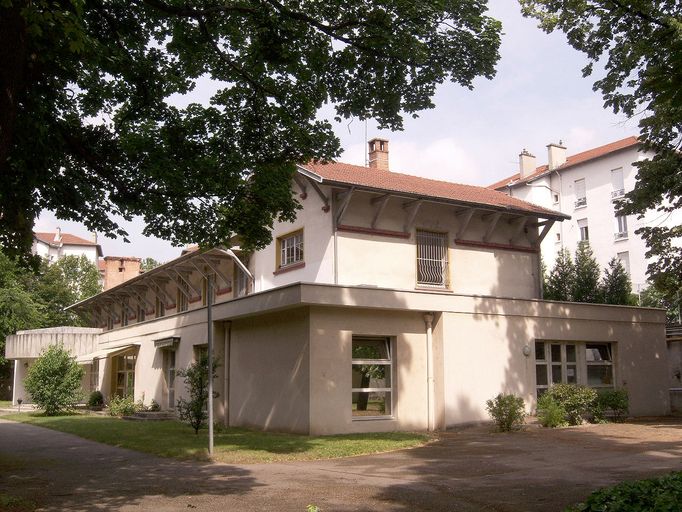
x=331, y=332
x=491, y=336
x=269, y=372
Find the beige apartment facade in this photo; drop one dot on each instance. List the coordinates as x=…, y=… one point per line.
x=391, y=303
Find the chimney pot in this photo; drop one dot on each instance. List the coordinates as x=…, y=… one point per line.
x=526, y=164
x=58, y=235
x=378, y=154
x=556, y=155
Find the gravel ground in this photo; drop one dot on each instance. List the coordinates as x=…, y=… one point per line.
x=469, y=469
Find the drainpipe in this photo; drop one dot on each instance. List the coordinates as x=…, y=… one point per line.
x=431, y=387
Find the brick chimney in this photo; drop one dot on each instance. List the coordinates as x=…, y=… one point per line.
x=378, y=154
x=526, y=164
x=556, y=155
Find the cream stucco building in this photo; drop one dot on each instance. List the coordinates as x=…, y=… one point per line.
x=391, y=303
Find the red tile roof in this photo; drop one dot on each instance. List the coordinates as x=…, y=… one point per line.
x=374, y=179
x=67, y=239
x=578, y=158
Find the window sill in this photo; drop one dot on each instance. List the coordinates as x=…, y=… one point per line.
x=373, y=418
x=294, y=266
x=625, y=238
x=438, y=289
x=581, y=207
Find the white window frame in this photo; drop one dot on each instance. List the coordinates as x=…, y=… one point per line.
x=584, y=230
x=383, y=362
x=580, y=364
x=617, y=183
x=624, y=258
x=580, y=193
x=621, y=227
x=291, y=249
x=432, y=259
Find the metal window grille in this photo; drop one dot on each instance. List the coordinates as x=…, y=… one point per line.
x=291, y=249
x=432, y=259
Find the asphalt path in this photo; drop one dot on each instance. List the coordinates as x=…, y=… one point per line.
x=470, y=469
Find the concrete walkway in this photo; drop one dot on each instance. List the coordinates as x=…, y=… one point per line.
x=468, y=470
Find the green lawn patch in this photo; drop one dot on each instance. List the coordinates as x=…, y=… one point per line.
x=5, y=404
x=231, y=445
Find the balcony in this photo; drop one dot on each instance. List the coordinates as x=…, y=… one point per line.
x=617, y=194
x=621, y=235
x=581, y=202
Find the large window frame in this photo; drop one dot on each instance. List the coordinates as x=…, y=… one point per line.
x=372, y=378
x=290, y=250
x=125, y=374
x=433, y=259
x=574, y=362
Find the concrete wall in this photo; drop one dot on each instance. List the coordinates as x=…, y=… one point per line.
x=270, y=372
x=29, y=344
x=331, y=333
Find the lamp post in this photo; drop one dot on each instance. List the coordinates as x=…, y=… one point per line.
x=209, y=321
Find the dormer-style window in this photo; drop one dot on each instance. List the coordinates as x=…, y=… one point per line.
x=290, y=249
x=432, y=259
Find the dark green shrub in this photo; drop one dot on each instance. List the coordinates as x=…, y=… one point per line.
x=54, y=380
x=122, y=406
x=664, y=494
x=550, y=413
x=577, y=401
x=506, y=411
x=154, y=406
x=612, y=403
x=96, y=399
x=194, y=411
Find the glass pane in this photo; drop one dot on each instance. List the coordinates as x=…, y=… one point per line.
x=570, y=353
x=373, y=403
x=571, y=374
x=371, y=376
x=541, y=374
x=371, y=349
x=120, y=380
x=556, y=374
x=597, y=352
x=556, y=353
x=599, y=375
x=539, y=351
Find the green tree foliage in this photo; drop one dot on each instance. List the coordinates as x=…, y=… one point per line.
x=194, y=410
x=561, y=280
x=653, y=298
x=148, y=264
x=586, y=284
x=639, y=43
x=88, y=125
x=54, y=380
x=616, y=285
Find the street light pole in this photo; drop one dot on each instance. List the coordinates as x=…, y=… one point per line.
x=209, y=321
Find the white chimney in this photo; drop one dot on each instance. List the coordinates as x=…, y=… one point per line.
x=378, y=154
x=556, y=155
x=94, y=237
x=58, y=235
x=526, y=164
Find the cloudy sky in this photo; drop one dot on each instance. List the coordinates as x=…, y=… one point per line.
x=538, y=96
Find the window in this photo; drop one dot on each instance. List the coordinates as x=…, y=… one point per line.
x=599, y=365
x=624, y=258
x=182, y=302
x=617, y=185
x=584, y=230
x=589, y=364
x=125, y=375
x=290, y=249
x=94, y=375
x=372, y=369
x=110, y=322
x=141, y=314
x=621, y=227
x=159, y=308
x=558, y=237
x=432, y=259
x=580, y=195
x=242, y=282
x=555, y=198
x=169, y=374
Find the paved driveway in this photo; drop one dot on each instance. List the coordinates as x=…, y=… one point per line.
x=468, y=470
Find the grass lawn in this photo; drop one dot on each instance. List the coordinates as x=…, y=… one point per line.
x=4, y=404
x=231, y=445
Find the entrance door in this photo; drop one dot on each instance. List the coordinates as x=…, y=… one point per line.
x=125, y=375
x=169, y=373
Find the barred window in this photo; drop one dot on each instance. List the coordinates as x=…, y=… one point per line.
x=432, y=259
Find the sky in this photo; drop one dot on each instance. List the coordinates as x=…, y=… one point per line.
x=474, y=136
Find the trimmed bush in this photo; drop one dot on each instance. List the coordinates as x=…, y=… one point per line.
x=122, y=406
x=154, y=406
x=96, y=399
x=664, y=494
x=54, y=380
x=578, y=401
x=507, y=411
x=613, y=403
x=550, y=413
